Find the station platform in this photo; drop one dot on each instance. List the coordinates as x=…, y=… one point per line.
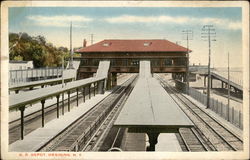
x=40, y=136
x=168, y=142
x=33, y=141
x=150, y=109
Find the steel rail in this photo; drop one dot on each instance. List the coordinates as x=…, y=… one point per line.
x=30, y=114
x=34, y=116
x=192, y=133
x=59, y=137
x=107, y=123
x=85, y=134
x=218, y=134
x=163, y=84
x=108, y=128
x=184, y=141
x=206, y=147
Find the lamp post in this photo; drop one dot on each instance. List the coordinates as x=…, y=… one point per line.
x=208, y=34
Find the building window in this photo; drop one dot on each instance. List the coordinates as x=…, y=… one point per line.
x=155, y=62
x=84, y=62
x=135, y=62
x=147, y=44
x=96, y=62
x=179, y=61
x=168, y=62
x=119, y=62
x=106, y=44
x=112, y=62
x=125, y=62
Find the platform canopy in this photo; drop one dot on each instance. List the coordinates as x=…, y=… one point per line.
x=150, y=108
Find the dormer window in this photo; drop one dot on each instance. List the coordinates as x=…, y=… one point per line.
x=106, y=44
x=147, y=44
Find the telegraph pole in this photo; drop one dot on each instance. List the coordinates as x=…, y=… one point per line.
x=71, y=50
x=208, y=34
x=92, y=38
x=188, y=35
x=228, y=85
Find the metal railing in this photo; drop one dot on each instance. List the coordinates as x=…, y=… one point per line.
x=21, y=76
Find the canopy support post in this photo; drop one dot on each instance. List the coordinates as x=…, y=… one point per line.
x=152, y=140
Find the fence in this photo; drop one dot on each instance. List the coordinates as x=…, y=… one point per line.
x=228, y=113
x=21, y=76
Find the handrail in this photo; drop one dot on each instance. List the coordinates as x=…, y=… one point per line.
x=30, y=69
x=37, y=83
x=221, y=77
x=232, y=81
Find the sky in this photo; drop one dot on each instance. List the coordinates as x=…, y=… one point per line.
x=137, y=23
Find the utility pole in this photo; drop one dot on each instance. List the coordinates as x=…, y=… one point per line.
x=228, y=81
x=71, y=50
x=208, y=34
x=187, y=35
x=92, y=38
x=178, y=42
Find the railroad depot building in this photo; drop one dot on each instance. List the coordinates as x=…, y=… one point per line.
x=124, y=57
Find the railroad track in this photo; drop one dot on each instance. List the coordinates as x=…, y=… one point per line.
x=215, y=135
x=85, y=133
x=191, y=141
x=106, y=129
x=112, y=137
x=15, y=123
x=32, y=120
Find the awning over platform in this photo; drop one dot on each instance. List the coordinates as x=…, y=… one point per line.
x=150, y=108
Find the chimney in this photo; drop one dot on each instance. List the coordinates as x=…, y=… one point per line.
x=84, y=43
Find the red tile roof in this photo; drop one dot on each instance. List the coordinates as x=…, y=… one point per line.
x=154, y=45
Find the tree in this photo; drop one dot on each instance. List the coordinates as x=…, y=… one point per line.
x=36, y=49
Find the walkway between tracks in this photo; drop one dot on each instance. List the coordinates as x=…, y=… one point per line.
x=224, y=79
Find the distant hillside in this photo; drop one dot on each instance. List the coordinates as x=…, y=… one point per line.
x=36, y=49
